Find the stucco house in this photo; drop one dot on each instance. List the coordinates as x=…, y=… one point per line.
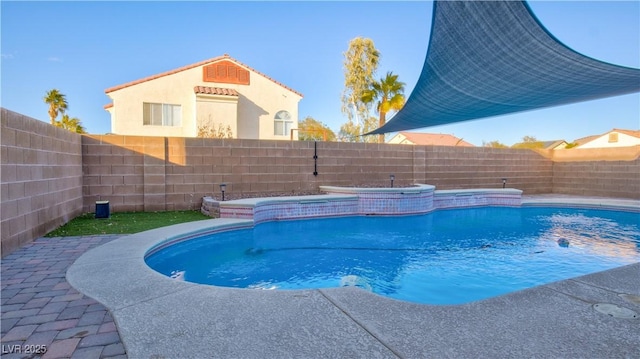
x=433, y=139
x=614, y=138
x=555, y=144
x=220, y=92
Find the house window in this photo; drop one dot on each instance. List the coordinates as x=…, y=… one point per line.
x=613, y=137
x=282, y=124
x=162, y=114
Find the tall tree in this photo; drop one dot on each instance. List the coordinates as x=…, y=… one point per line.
x=72, y=124
x=57, y=104
x=351, y=131
x=311, y=129
x=360, y=65
x=389, y=94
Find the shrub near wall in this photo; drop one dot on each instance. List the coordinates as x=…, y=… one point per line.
x=41, y=178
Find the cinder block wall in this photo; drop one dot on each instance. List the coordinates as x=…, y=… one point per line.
x=113, y=168
x=153, y=173
x=614, y=175
x=481, y=167
x=41, y=178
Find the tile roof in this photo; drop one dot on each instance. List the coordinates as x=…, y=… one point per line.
x=108, y=106
x=436, y=139
x=552, y=143
x=201, y=63
x=583, y=140
x=627, y=132
x=215, y=91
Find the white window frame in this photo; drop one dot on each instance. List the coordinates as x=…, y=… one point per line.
x=161, y=114
x=282, y=123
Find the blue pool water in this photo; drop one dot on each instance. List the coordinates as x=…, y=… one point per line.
x=445, y=257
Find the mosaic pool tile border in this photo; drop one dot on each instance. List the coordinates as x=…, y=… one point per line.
x=345, y=201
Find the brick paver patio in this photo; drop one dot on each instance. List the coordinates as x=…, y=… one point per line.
x=41, y=310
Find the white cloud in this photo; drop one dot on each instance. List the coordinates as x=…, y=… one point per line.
x=54, y=59
x=6, y=56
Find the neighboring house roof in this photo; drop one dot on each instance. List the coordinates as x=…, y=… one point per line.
x=108, y=106
x=581, y=141
x=552, y=144
x=626, y=132
x=435, y=139
x=201, y=63
x=215, y=91
x=584, y=140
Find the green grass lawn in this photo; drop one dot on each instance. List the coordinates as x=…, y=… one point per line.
x=124, y=223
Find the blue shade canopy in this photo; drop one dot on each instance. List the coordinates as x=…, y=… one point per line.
x=489, y=58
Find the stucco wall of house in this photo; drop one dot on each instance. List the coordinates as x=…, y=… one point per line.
x=176, y=89
x=257, y=105
x=41, y=182
x=624, y=140
x=398, y=139
x=217, y=112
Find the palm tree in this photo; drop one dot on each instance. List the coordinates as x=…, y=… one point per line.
x=70, y=123
x=390, y=95
x=57, y=104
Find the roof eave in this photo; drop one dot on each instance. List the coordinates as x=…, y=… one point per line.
x=197, y=64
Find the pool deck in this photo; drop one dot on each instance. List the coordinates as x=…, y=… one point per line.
x=164, y=318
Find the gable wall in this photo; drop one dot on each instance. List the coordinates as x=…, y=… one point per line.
x=257, y=105
x=624, y=140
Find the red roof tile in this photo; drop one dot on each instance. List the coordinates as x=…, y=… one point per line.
x=205, y=62
x=108, y=106
x=435, y=139
x=627, y=132
x=583, y=140
x=215, y=91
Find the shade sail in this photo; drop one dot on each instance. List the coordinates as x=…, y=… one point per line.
x=489, y=58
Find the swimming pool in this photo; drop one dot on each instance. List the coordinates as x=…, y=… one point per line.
x=444, y=257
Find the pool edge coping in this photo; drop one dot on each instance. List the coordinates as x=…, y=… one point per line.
x=128, y=253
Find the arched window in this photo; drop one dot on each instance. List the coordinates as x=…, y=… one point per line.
x=282, y=124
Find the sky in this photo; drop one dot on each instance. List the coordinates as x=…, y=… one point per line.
x=83, y=48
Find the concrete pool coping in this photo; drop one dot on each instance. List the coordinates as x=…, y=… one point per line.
x=166, y=318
